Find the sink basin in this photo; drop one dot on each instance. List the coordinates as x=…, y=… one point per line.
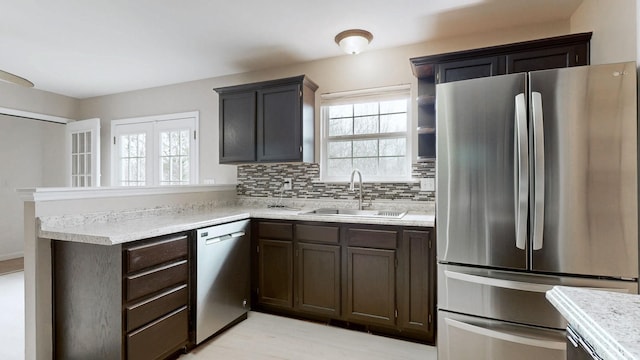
x=359, y=213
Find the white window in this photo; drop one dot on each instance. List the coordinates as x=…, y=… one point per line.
x=83, y=153
x=155, y=150
x=366, y=130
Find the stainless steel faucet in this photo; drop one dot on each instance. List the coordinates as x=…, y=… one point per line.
x=352, y=187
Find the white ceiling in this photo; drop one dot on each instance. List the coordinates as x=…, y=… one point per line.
x=86, y=48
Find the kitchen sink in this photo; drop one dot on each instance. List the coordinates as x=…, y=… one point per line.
x=358, y=213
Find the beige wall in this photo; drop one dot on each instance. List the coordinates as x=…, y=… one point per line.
x=369, y=69
x=613, y=24
x=32, y=155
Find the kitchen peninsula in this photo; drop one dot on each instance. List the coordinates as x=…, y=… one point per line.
x=57, y=219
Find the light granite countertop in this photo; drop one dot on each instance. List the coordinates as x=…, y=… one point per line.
x=109, y=229
x=608, y=321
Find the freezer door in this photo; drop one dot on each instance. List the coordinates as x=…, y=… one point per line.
x=511, y=296
x=481, y=170
x=463, y=337
x=584, y=207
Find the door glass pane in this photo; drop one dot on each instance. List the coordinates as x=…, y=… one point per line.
x=174, y=157
x=132, y=160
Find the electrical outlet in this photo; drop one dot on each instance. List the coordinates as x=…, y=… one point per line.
x=287, y=183
x=209, y=181
x=427, y=184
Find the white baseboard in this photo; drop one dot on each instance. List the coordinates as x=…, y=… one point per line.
x=10, y=256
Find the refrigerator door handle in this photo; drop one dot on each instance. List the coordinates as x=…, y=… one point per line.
x=538, y=149
x=521, y=179
x=494, y=334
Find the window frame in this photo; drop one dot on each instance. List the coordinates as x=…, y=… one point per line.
x=363, y=96
x=152, y=126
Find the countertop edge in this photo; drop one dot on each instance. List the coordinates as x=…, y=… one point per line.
x=599, y=338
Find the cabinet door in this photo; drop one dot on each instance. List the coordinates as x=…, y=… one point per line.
x=275, y=273
x=416, y=288
x=371, y=285
x=279, y=123
x=238, y=127
x=551, y=58
x=468, y=69
x=318, y=279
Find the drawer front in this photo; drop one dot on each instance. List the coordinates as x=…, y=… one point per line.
x=148, y=282
x=159, y=338
x=150, y=309
x=315, y=233
x=144, y=256
x=271, y=230
x=371, y=238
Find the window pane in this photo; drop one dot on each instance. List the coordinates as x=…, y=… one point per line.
x=339, y=149
x=365, y=148
x=81, y=142
x=339, y=111
x=393, y=106
x=368, y=166
x=124, y=146
x=339, y=127
x=185, y=170
x=365, y=109
x=81, y=164
x=393, y=147
x=142, y=145
x=88, y=140
x=339, y=167
x=184, y=143
x=74, y=164
x=74, y=143
x=393, y=123
x=366, y=125
x=392, y=166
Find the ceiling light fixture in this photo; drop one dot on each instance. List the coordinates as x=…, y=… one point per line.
x=353, y=41
x=14, y=79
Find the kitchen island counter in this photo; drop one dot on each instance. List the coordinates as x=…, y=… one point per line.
x=608, y=321
x=113, y=228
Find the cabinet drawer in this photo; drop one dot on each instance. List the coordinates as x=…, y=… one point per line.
x=325, y=234
x=371, y=238
x=159, y=338
x=157, y=279
x=271, y=230
x=151, y=254
x=152, y=308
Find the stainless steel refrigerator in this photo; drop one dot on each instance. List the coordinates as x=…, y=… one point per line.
x=536, y=186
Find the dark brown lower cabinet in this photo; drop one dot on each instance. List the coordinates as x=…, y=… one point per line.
x=417, y=287
x=371, y=285
x=318, y=274
x=379, y=277
x=275, y=284
x=127, y=301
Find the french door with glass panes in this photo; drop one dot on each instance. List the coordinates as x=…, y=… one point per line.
x=156, y=152
x=83, y=149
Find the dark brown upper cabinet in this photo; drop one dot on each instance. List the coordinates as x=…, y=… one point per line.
x=270, y=121
x=541, y=54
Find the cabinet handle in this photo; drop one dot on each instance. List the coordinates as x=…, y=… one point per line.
x=505, y=336
x=223, y=238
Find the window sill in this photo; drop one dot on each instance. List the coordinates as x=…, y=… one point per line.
x=374, y=181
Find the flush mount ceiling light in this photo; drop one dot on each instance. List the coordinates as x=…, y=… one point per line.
x=14, y=79
x=353, y=41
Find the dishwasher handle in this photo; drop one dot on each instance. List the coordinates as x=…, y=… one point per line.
x=218, y=239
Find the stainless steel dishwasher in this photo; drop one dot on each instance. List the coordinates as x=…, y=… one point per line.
x=222, y=277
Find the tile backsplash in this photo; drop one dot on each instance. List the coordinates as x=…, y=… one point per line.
x=265, y=180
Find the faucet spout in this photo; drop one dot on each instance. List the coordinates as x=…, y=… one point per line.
x=352, y=186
